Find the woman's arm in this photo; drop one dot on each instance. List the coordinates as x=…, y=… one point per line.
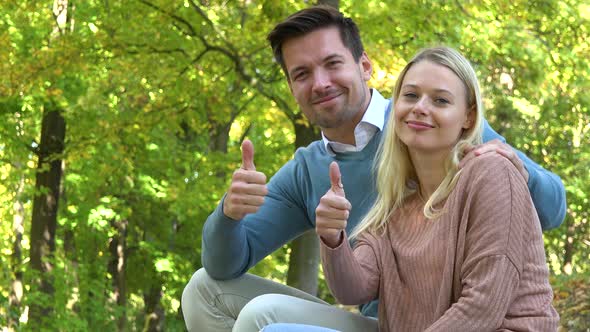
x=486, y=295
x=353, y=276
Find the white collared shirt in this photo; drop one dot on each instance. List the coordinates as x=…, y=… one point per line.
x=372, y=121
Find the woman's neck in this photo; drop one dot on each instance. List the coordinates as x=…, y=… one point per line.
x=430, y=170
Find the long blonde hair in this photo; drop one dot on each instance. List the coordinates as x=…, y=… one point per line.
x=396, y=178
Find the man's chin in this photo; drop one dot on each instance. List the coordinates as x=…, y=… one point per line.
x=329, y=123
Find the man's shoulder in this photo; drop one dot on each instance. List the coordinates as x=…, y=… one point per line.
x=303, y=158
x=315, y=149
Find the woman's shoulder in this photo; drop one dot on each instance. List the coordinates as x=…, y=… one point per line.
x=490, y=165
x=493, y=172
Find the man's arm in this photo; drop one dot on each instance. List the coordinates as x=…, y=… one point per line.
x=230, y=247
x=546, y=188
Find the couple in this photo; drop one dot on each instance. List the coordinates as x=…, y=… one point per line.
x=448, y=236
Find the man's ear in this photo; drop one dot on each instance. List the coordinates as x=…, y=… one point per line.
x=366, y=66
x=470, y=119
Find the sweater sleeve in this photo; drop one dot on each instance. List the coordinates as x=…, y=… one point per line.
x=499, y=213
x=353, y=276
x=546, y=188
x=230, y=248
x=485, y=297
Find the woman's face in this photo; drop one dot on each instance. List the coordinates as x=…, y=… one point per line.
x=431, y=110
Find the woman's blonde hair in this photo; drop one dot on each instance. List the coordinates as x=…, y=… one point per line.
x=396, y=178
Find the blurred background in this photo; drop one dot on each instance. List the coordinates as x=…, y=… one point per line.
x=121, y=124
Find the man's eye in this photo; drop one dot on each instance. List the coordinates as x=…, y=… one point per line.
x=299, y=76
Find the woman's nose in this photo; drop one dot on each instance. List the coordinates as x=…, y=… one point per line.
x=421, y=106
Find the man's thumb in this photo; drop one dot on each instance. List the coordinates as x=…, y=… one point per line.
x=248, y=155
x=336, y=179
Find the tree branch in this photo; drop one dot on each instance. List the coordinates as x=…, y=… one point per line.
x=156, y=50
x=176, y=17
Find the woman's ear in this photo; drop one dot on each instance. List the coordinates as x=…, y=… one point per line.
x=470, y=118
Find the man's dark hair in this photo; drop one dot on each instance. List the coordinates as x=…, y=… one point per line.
x=309, y=20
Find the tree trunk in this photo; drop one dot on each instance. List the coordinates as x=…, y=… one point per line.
x=568, y=250
x=304, y=263
x=333, y=3
x=304, y=259
x=47, y=190
x=45, y=204
x=219, y=134
x=154, y=313
x=16, y=291
x=117, y=267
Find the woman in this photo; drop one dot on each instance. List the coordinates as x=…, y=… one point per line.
x=443, y=249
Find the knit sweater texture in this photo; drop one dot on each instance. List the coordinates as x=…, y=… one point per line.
x=480, y=266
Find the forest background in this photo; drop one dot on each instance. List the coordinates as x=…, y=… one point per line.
x=121, y=124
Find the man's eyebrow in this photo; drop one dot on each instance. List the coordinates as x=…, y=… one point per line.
x=333, y=56
x=330, y=57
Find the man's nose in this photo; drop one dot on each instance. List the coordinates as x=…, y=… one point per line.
x=321, y=80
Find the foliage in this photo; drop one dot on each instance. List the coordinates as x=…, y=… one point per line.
x=157, y=96
x=572, y=301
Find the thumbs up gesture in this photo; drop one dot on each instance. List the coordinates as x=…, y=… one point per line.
x=247, y=189
x=332, y=213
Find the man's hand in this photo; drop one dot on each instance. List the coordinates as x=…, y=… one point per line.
x=499, y=147
x=248, y=187
x=332, y=213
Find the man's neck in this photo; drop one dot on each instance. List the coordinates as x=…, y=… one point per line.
x=343, y=134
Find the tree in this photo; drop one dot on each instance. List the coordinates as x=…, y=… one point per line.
x=157, y=97
x=48, y=181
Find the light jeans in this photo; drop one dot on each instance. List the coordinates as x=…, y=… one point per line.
x=284, y=327
x=249, y=303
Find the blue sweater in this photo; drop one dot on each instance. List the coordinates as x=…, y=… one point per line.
x=230, y=247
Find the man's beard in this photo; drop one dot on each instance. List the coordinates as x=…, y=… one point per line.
x=345, y=114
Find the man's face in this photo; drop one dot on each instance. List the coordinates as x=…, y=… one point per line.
x=329, y=86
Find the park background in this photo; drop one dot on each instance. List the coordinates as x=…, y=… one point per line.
x=121, y=124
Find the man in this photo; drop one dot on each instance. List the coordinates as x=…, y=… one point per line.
x=327, y=70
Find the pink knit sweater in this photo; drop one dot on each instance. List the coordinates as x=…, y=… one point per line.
x=478, y=267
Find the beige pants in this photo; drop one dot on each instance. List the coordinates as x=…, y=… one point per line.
x=249, y=303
